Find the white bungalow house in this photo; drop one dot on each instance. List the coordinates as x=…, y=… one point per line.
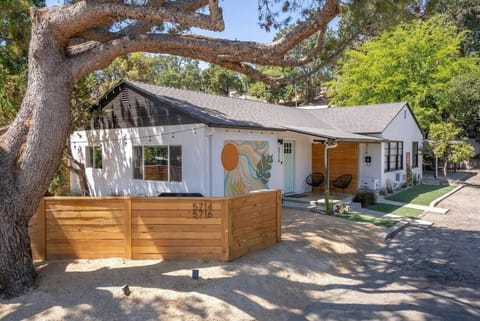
x=152, y=139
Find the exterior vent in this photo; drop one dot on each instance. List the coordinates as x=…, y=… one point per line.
x=124, y=97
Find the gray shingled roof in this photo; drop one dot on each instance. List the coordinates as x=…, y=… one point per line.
x=223, y=111
x=365, y=119
x=226, y=111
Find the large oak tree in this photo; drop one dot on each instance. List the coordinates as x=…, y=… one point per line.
x=68, y=42
x=71, y=41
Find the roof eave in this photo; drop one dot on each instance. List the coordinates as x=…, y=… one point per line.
x=339, y=139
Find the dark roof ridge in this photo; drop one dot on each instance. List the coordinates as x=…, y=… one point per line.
x=207, y=94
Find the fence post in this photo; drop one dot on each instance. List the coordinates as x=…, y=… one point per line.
x=42, y=220
x=226, y=230
x=128, y=227
x=279, y=216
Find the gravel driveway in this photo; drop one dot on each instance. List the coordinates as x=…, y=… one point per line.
x=423, y=274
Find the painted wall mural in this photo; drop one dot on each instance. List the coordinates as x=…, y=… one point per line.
x=247, y=166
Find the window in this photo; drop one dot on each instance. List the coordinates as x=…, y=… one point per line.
x=393, y=156
x=93, y=156
x=157, y=163
x=287, y=148
x=414, y=154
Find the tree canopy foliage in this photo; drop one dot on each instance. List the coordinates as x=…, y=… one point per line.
x=14, y=39
x=414, y=62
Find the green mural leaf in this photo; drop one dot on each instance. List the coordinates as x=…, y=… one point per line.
x=264, y=167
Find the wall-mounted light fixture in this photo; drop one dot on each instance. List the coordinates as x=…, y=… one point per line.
x=280, y=141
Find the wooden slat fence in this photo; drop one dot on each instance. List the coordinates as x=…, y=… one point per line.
x=153, y=228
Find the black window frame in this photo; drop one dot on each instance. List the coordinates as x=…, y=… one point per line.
x=169, y=159
x=91, y=157
x=393, y=156
x=415, y=154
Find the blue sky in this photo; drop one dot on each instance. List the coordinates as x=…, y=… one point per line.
x=241, y=21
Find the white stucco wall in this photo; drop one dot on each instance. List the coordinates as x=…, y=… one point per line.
x=372, y=170
x=202, y=169
x=116, y=176
x=402, y=128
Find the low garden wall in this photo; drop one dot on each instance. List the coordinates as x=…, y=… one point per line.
x=155, y=228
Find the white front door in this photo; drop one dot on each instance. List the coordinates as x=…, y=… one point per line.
x=289, y=166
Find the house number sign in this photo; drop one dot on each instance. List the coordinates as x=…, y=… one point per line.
x=202, y=210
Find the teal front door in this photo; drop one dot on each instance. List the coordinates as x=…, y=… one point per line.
x=289, y=166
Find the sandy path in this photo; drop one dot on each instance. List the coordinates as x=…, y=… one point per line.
x=274, y=284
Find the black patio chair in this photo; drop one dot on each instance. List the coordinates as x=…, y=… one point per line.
x=315, y=179
x=342, y=182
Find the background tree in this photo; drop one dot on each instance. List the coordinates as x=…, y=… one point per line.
x=462, y=103
x=14, y=39
x=220, y=81
x=274, y=94
x=445, y=143
x=465, y=14
x=414, y=63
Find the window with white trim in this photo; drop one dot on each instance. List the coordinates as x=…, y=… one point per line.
x=93, y=155
x=157, y=163
x=393, y=156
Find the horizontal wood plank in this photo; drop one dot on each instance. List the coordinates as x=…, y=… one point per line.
x=176, y=242
x=175, y=228
x=174, y=221
x=176, y=235
x=172, y=213
x=176, y=250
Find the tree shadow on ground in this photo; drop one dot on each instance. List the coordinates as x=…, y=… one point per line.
x=324, y=269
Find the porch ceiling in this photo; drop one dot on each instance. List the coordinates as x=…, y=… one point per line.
x=337, y=134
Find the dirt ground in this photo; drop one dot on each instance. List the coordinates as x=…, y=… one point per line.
x=273, y=284
x=326, y=268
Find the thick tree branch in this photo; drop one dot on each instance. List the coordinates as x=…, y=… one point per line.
x=97, y=56
x=83, y=16
x=319, y=22
x=103, y=34
x=237, y=54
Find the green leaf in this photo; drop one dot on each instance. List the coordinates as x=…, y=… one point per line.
x=264, y=167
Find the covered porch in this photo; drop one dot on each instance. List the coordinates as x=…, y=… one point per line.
x=344, y=159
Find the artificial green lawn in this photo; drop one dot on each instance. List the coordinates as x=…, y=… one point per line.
x=368, y=219
x=421, y=194
x=396, y=210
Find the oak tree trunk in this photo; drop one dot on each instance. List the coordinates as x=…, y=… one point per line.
x=17, y=273
x=30, y=152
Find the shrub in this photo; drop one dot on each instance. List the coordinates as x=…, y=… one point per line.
x=409, y=176
x=389, y=186
x=365, y=197
x=415, y=179
x=382, y=191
